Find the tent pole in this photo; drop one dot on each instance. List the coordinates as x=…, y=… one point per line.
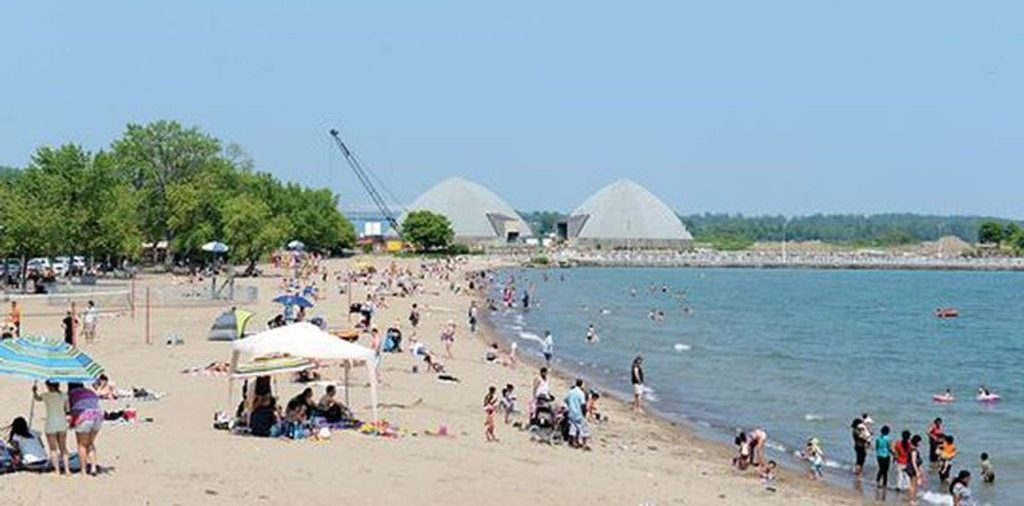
x=348, y=365
x=373, y=389
x=32, y=407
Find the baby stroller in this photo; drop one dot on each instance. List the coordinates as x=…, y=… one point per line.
x=544, y=423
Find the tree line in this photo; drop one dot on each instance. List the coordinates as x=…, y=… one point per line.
x=159, y=181
x=736, y=231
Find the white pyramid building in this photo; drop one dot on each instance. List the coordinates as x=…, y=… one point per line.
x=476, y=213
x=625, y=214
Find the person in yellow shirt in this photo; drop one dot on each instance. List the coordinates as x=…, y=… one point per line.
x=946, y=455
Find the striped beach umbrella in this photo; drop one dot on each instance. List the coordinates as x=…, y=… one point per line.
x=37, y=358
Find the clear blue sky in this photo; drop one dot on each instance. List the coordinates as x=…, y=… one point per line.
x=757, y=106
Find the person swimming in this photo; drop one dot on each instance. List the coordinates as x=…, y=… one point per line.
x=591, y=334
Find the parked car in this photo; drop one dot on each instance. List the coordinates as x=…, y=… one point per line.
x=61, y=266
x=39, y=265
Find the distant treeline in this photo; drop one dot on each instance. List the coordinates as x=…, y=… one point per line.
x=736, y=230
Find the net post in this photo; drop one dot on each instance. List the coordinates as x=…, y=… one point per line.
x=147, y=315
x=74, y=328
x=131, y=298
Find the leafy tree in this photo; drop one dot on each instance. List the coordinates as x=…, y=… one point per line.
x=251, y=230
x=427, y=231
x=156, y=156
x=990, y=232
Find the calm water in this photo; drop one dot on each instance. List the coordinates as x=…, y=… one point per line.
x=802, y=352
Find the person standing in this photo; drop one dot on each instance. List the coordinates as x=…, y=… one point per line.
x=90, y=317
x=548, y=347
x=636, y=377
x=935, y=437
x=883, y=453
x=56, y=428
x=69, y=328
x=472, y=316
x=901, y=453
x=861, y=443
x=574, y=402
x=414, y=316
x=86, y=418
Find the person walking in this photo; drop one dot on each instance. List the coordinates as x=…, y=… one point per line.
x=636, y=377
x=89, y=318
x=861, y=443
x=548, y=347
x=935, y=437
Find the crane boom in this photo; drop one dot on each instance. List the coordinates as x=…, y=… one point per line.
x=364, y=179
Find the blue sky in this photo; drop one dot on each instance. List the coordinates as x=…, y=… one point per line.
x=756, y=107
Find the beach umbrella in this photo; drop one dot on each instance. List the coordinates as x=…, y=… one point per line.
x=215, y=247
x=293, y=300
x=39, y=359
x=296, y=245
x=230, y=325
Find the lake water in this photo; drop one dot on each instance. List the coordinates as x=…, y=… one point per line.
x=801, y=352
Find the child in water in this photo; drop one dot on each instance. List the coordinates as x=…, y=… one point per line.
x=988, y=473
x=946, y=455
x=816, y=457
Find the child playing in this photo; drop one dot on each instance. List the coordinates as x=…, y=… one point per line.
x=946, y=455
x=988, y=473
x=816, y=457
x=490, y=405
x=742, y=458
x=767, y=473
x=508, y=402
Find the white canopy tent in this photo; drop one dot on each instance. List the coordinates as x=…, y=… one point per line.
x=305, y=340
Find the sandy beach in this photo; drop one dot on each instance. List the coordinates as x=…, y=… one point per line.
x=178, y=458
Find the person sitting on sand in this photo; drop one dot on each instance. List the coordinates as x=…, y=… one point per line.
x=306, y=399
x=329, y=407
x=28, y=445
x=491, y=355
x=296, y=417
x=104, y=388
x=767, y=474
x=264, y=417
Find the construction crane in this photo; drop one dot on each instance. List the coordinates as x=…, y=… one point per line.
x=364, y=177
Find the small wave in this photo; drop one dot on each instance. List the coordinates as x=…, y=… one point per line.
x=811, y=417
x=775, y=446
x=681, y=347
x=937, y=498
x=529, y=336
x=650, y=394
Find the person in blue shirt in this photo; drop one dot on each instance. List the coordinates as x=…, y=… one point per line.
x=883, y=452
x=574, y=402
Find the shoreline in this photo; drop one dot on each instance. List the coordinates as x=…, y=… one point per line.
x=679, y=430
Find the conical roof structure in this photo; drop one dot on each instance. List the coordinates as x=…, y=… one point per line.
x=476, y=212
x=627, y=214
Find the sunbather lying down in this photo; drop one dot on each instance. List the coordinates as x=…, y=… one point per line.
x=211, y=368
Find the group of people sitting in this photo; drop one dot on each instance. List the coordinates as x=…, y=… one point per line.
x=302, y=416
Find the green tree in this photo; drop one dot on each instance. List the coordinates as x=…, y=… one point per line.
x=156, y=156
x=251, y=230
x=427, y=231
x=990, y=232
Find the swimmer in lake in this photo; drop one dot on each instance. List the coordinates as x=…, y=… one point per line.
x=591, y=334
